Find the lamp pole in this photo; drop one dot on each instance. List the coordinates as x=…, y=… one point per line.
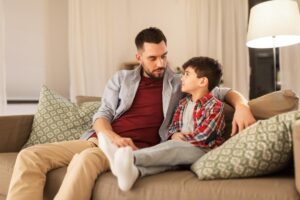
x=274, y=61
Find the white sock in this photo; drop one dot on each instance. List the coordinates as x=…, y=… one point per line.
x=125, y=169
x=108, y=148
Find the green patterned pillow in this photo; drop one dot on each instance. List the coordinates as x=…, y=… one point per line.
x=58, y=119
x=262, y=148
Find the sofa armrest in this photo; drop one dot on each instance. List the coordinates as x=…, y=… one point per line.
x=296, y=146
x=14, y=132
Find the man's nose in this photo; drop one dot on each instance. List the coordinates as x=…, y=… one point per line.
x=160, y=62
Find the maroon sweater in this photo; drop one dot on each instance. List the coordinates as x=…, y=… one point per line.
x=143, y=120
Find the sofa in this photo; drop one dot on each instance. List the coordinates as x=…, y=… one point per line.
x=179, y=184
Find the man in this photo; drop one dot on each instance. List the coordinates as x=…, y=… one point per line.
x=152, y=56
x=136, y=105
x=197, y=127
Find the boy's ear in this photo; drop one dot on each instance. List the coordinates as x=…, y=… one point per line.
x=203, y=81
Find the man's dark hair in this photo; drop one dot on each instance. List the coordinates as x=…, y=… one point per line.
x=206, y=67
x=150, y=35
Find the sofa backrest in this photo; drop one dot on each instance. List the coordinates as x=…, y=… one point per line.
x=266, y=106
x=262, y=107
x=14, y=132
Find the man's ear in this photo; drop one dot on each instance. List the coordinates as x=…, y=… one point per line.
x=138, y=57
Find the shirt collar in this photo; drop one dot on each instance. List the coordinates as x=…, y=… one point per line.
x=202, y=100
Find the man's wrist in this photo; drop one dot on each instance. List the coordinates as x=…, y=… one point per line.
x=242, y=105
x=110, y=134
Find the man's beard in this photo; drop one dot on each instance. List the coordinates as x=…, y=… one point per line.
x=152, y=76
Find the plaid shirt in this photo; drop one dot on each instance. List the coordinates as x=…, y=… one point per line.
x=208, y=119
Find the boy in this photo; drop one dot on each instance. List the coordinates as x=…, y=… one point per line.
x=197, y=127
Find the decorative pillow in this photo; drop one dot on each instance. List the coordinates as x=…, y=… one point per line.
x=58, y=119
x=262, y=148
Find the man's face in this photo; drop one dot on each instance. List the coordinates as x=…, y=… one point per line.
x=153, y=58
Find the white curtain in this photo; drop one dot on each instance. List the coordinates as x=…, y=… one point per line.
x=97, y=41
x=218, y=29
x=2, y=61
x=290, y=67
x=102, y=36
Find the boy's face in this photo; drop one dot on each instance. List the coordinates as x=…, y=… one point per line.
x=153, y=58
x=190, y=82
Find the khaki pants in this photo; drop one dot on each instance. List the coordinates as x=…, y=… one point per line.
x=85, y=162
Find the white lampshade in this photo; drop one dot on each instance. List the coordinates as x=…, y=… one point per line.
x=274, y=24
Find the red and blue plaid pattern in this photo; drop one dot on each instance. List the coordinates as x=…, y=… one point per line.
x=209, y=123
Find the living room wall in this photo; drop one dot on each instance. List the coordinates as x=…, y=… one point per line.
x=37, y=42
x=36, y=36
x=37, y=45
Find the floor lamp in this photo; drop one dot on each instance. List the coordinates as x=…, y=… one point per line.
x=274, y=24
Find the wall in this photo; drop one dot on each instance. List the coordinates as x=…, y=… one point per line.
x=36, y=47
x=169, y=16
x=57, y=70
x=37, y=41
x=2, y=62
x=103, y=33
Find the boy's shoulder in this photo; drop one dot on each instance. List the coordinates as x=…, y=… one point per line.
x=216, y=103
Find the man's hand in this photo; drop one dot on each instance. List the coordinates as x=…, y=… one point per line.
x=242, y=118
x=123, y=142
x=178, y=136
x=104, y=126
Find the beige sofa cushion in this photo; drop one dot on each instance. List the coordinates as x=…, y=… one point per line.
x=14, y=132
x=262, y=107
x=80, y=99
x=174, y=185
x=179, y=185
x=7, y=162
x=296, y=141
x=265, y=106
x=274, y=103
x=53, y=180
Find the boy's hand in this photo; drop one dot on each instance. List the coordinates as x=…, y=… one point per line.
x=178, y=136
